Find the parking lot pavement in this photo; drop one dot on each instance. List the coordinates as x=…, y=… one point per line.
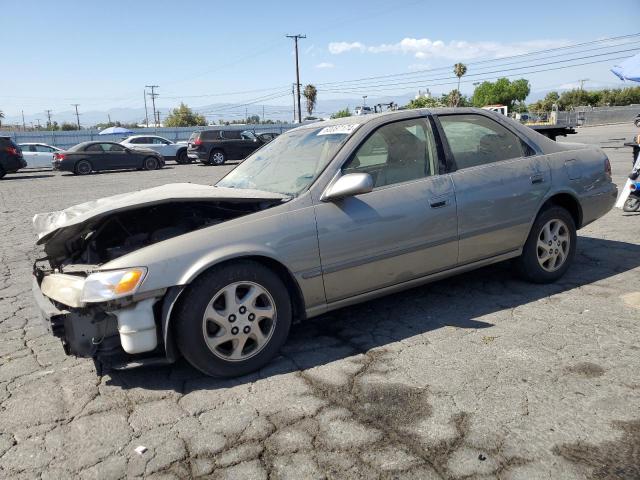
x=478, y=376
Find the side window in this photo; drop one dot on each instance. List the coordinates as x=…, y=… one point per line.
x=396, y=153
x=96, y=147
x=158, y=141
x=231, y=135
x=42, y=149
x=477, y=140
x=112, y=147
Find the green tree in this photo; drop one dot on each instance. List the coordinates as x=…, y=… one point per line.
x=459, y=69
x=66, y=126
x=311, y=94
x=502, y=92
x=342, y=113
x=425, y=102
x=183, y=116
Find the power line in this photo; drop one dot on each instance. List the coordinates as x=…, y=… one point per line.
x=356, y=90
x=423, y=80
x=449, y=67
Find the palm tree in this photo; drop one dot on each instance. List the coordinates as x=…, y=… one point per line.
x=1, y=117
x=459, y=69
x=311, y=94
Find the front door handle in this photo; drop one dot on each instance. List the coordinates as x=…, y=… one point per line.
x=439, y=202
x=536, y=179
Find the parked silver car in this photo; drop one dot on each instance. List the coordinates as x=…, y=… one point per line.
x=327, y=215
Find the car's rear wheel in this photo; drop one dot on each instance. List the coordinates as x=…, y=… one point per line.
x=150, y=163
x=182, y=157
x=217, y=157
x=550, y=247
x=233, y=319
x=637, y=122
x=2, y=172
x=83, y=167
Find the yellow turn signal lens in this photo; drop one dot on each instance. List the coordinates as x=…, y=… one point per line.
x=128, y=282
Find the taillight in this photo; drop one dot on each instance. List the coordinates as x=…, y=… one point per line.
x=12, y=151
x=58, y=156
x=197, y=141
x=607, y=166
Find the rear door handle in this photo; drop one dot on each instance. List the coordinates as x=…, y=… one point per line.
x=538, y=178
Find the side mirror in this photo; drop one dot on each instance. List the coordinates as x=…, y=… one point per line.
x=349, y=185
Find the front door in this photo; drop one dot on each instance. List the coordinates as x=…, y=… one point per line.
x=404, y=229
x=499, y=182
x=116, y=156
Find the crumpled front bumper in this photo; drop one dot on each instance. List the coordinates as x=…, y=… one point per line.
x=94, y=330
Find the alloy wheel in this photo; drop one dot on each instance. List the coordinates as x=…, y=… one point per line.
x=217, y=158
x=239, y=321
x=554, y=242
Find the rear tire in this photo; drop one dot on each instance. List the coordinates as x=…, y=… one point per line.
x=631, y=204
x=233, y=319
x=217, y=157
x=182, y=157
x=2, y=172
x=550, y=247
x=637, y=122
x=83, y=167
x=150, y=163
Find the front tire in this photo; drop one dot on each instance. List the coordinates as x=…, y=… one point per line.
x=2, y=172
x=217, y=157
x=550, y=247
x=150, y=163
x=637, y=122
x=182, y=157
x=83, y=167
x=233, y=319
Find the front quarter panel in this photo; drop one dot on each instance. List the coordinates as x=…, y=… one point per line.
x=285, y=233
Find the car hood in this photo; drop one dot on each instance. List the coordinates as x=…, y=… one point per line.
x=52, y=224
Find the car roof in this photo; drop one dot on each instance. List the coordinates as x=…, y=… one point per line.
x=143, y=136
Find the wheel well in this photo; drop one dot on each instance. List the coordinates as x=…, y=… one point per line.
x=569, y=203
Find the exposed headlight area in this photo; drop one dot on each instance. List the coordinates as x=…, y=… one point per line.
x=110, y=285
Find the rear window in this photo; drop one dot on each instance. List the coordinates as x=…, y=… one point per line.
x=231, y=134
x=7, y=142
x=210, y=134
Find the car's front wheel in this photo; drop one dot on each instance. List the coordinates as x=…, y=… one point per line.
x=150, y=163
x=2, y=172
x=233, y=319
x=182, y=157
x=550, y=247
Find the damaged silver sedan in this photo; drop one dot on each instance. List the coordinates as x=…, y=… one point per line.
x=327, y=215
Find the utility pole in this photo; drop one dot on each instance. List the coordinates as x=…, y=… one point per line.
x=153, y=96
x=263, y=113
x=77, y=114
x=146, y=112
x=24, y=126
x=296, y=38
x=48, y=119
x=293, y=93
x=364, y=100
x=582, y=80
x=109, y=117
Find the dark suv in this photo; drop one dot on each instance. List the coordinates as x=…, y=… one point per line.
x=217, y=146
x=11, y=159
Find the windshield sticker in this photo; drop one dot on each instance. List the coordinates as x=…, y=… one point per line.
x=344, y=129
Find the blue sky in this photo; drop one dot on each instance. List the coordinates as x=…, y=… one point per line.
x=60, y=52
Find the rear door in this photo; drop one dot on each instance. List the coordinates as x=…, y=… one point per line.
x=232, y=144
x=499, y=184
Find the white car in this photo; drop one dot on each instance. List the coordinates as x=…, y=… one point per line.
x=38, y=155
x=168, y=149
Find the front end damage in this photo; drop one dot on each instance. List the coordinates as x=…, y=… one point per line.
x=105, y=314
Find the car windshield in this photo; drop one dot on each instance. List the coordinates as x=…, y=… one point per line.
x=291, y=162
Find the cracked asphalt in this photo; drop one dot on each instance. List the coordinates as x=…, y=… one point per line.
x=477, y=376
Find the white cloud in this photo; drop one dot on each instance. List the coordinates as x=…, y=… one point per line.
x=325, y=65
x=341, y=47
x=423, y=48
